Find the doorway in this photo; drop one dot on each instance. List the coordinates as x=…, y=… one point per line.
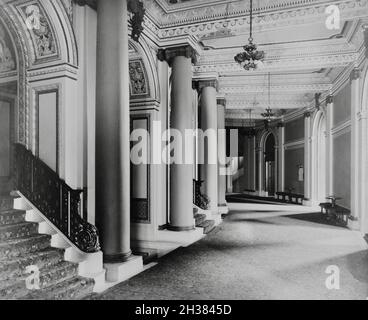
x=270, y=165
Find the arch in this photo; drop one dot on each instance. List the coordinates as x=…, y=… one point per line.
x=266, y=169
x=319, y=161
x=144, y=82
x=52, y=43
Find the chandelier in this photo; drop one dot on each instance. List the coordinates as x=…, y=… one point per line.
x=269, y=114
x=251, y=58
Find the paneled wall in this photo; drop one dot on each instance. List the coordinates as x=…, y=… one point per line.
x=341, y=137
x=294, y=158
x=294, y=154
x=5, y=119
x=341, y=168
x=47, y=128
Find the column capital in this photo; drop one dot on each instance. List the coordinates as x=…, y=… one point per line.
x=281, y=125
x=208, y=83
x=329, y=99
x=90, y=3
x=355, y=74
x=221, y=102
x=169, y=54
x=307, y=114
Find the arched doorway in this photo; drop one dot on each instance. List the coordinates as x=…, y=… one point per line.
x=319, y=162
x=270, y=165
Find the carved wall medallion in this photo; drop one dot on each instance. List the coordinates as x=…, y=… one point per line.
x=7, y=61
x=138, y=79
x=39, y=28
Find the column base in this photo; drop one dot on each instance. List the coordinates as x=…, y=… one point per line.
x=223, y=208
x=118, y=272
x=354, y=224
x=180, y=229
x=117, y=258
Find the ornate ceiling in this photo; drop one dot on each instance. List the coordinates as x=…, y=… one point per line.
x=302, y=54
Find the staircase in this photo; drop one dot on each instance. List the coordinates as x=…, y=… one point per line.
x=21, y=246
x=202, y=222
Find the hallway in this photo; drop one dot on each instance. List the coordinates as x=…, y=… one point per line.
x=259, y=252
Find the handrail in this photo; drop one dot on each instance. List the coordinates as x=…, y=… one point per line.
x=58, y=202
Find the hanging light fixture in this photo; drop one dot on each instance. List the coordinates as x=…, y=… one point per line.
x=269, y=114
x=251, y=58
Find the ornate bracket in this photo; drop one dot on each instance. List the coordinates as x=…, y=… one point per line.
x=136, y=7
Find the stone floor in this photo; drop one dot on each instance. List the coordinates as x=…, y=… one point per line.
x=259, y=252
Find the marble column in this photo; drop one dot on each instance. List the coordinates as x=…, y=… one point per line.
x=363, y=126
x=221, y=106
x=307, y=157
x=329, y=145
x=180, y=60
x=112, y=130
x=355, y=165
x=208, y=91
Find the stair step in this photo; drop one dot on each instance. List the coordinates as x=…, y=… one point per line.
x=18, y=230
x=148, y=255
x=199, y=219
x=6, y=203
x=16, y=268
x=73, y=289
x=208, y=226
x=49, y=277
x=19, y=247
x=11, y=217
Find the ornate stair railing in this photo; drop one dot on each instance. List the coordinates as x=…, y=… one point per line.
x=59, y=203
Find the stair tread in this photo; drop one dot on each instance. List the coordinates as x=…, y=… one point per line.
x=207, y=223
x=45, y=272
x=6, y=211
x=33, y=256
x=19, y=224
x=21, y=240
x=57, y=291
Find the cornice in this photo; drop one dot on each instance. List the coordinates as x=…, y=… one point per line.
x=235, y=16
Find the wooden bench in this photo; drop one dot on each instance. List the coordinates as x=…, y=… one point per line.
x=290, y=197
x=339, y=213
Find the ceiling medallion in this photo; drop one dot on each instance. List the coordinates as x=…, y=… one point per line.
x=269, y=114
x=251, y=58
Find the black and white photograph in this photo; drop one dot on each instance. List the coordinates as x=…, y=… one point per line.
x=183, y=155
